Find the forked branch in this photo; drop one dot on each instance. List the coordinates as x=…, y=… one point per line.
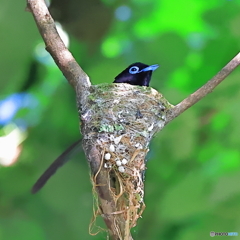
x=109, y=123
x=77, y=77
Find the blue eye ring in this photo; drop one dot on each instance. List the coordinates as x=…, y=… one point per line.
x=134, y=70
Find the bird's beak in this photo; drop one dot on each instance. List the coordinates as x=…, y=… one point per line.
x=150, y=68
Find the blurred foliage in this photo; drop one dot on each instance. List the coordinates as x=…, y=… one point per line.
x=193, y=175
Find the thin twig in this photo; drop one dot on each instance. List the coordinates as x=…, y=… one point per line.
x=204, y=90
x=55, y=46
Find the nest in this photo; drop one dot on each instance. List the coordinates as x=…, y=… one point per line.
x=118, y=122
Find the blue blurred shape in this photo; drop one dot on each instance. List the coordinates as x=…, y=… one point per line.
x=10, y=105
x=123, y=13
x=196, y=40
x=8, y=109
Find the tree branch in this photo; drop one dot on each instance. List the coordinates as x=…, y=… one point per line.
x=204, y=90
x=115, y=140
x=55, y=46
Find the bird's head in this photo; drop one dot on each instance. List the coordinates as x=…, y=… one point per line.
x=136, y=74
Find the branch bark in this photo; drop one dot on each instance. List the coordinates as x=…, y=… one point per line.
x=55, y=46
x=204, y=90
x=114, y=133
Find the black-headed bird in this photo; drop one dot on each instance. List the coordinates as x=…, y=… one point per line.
x=136, y=74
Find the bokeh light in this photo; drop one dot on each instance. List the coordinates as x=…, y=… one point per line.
x=123, y=13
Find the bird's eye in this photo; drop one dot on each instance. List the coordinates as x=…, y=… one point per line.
x=134, y=70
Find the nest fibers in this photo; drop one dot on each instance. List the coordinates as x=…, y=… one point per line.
x=118, y=122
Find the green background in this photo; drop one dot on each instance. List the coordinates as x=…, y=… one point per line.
x=192, y=182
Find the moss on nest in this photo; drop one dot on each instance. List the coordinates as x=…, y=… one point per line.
x=120, y=120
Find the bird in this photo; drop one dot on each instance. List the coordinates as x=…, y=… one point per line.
x=136, y=74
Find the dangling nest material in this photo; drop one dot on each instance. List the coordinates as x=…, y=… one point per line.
x=117, y=124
